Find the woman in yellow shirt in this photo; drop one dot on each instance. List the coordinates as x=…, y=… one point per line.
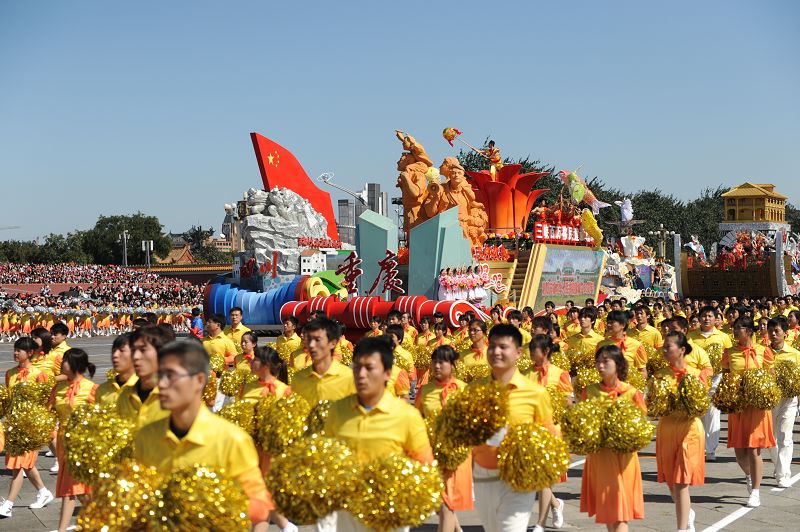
x=611, y=487
x=425, y=333
x=431, y=398
x=249, y=342
x=632, y=349
x=680, y=440
x=67, y=395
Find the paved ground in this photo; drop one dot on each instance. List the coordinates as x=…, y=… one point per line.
x=719, y=504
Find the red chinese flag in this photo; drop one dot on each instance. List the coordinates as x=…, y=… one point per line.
x=279, y=168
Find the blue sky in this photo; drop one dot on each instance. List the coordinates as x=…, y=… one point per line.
x=110, y=108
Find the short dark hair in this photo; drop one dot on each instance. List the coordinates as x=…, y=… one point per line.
x=253, y=337
x=121, y=340
x=440, y=327
x=26, y=343
x=614, y=353
x=777, y=321
x=59, y=328
x=195, y=312
x=394, y=314
x=78, y=361
x=549, y=304
x=444, y=353
x=543, y=342
x=375, y=344
x=45, y=337
x=293, y=320
x=503, y=330
x=154, y=335
x=681, y=322
x=191, y=355
x=707, y=308
x=542, y=322
x=235, y=309
x=681, y=340
x=588, y=312
x=515, y=315
x=618, y=316
x=438, y=314
x=151, y=317
x=217, y=318
x=331, y=328
x=396, y=331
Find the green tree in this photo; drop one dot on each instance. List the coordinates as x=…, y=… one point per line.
x=63, y=248
x=198, y=240
x=18, y=251
x=103, y=243
x=793, y=217
x=196, y=237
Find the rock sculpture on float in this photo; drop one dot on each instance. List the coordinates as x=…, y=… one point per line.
x=424, y=196
x=276, y=220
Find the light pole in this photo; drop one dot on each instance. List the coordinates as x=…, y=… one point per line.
x=123, y=237
x=147, y=247
x=662, y=235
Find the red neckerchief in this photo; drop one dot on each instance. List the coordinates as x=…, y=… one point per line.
x=479, y=354
x=749, y=352
x=543, y=370
x=249, y=357
x=22, y=376
x=613, y=393
x=621, y=343
x=269, y=385
x=679, y=374
x=447, y=388
x=440, y=341
x=73, y=389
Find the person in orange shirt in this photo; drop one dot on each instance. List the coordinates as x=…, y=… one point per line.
x=66, y=396
x=680, y=440
x=24, y=348
x=374, y=327
x=373, y=423
x=190, y=434
x=611, y=486
x=430, y=399
x=751, y=430
x=500, y=507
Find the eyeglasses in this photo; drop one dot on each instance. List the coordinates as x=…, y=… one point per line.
x=171, y=376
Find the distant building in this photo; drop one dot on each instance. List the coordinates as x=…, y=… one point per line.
x=350, y=210
x=312, y=261
x=754, y=203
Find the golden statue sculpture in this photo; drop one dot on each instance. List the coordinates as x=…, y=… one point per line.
x=423, y=198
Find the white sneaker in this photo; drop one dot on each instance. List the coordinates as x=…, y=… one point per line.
x=690, y=527
x=749, y=481
x=536, y=528
x=49, y=454
x=754, y=501
x=784, y=482
x=290, y=527
x=54, y=469
x=43, y=498
x=557, y=513
x=5, y=509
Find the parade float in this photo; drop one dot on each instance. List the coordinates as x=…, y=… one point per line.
x=474, y=238
x=756, y=255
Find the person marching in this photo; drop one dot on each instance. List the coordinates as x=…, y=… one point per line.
x=431, y=398
x=124, y=375
x=24, y=349
x=236, y=329
x=786, y=410
x=217, y=342
x=645, y=330
x=325, y=379
x=500, y=507
x=749, y=431
x=476, y=354
x=611, y=487
x=632, y=349
x=587, y=338
x=679, y=438
x=76, y=390
x=248, y=342
x=289, y=341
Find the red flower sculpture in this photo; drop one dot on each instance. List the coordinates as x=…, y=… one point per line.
x=509, y=199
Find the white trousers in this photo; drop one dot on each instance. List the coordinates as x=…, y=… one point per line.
x=501, y=509
x=783, y=425
x=711, y=421
x=344, y=522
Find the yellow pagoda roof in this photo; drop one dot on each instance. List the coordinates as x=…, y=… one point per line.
x=750, y=189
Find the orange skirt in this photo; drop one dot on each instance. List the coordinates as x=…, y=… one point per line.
x=680, y=450
x=751, y=429
x=264, y=461
x=26, y=328
x=611, y=487
x=25, y=461
x=457, y=493
x=66, y=486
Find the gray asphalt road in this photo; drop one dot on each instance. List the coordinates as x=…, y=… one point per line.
x=719, y=503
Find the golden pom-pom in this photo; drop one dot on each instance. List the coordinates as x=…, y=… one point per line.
x=283, y=422
x=636, y=379
x=347, y=354
x=759, y=389
x=626, y=428
x=581, y=357
x=422, y=356
x=659, y=397
x=692, y=397
x=28, y=426
x=582, y=426
x=285, y=351
x=96, y=439
x=461, y=344
x=475, y=414
x=397, y=492
x=715, y=352
x=402, y=362
x=111, y=375
x=30, y=392
x=122, y=500
x=655, y=360
x=242, y=414
x=217, y=363
x=728, y=397
x=314, y=477
x=558, y=401
x=524, y=364
x=200, y=498
x=4, y=400
x=469, y=373
x=561, y=360
x=231, y=381
x=584, y=376
x=530, y=458
x=210, y=391
x=315, y=421
x=787, y=375
x=448, y=455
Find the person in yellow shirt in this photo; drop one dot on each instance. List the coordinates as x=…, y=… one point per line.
x=515, y=319
x=325, y=379
x=373, y=423
x=706, y=337
x=190, y=434
x=374, y=327
x=289, y=341
x=59, y=332
x=426, y=334
x=140, y=402
x=124, y=375
x=499, y=506
x=42, y=360
x=571, y=324
x=645, y=331
x=272, y=375
x=249, y=343
x=217, y=342
x=396, y=336
x=236, y=329
x=785, y=411
x=635, y=354
x=587, y=338
x=600, y=319
x=476, y=354
x=409, y=332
